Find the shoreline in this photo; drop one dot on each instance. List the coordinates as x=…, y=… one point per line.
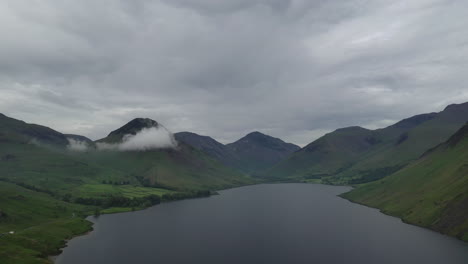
x=399, y=217
x=53, y=258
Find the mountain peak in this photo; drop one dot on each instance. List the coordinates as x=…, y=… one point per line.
x=131, y=128
x=351, y=129
x=255, y=134
x=135, y=126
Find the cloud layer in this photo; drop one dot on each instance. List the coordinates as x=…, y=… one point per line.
x=77, y=145
x=146, y=139
x=294, y=69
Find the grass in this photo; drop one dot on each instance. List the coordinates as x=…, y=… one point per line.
x=129, y=191
x=115, y=210
x=40, y=223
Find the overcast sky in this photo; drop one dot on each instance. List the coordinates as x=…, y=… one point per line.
x=293, y=69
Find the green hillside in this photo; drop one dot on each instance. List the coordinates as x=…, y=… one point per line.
x=325, y=156
x=357, y=155
x=41, y=224
x=431, y=192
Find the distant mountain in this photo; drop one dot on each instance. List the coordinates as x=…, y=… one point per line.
x=431, y=191
x=250, y=154
x=356, y=155
x=257, y=151
x=210, y=147
x=27, y=158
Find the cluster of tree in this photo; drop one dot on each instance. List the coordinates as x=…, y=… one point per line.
x=374, y=175
x=147, y=183
x=146, y=201
x=312, y=176
x=29, y=187
x=116, y=182
x=120, y=201
x=185, y=195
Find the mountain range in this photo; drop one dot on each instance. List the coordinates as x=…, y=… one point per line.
x=251, y=154
x=415, y=169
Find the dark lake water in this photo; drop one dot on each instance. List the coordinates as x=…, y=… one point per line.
x=270, y=223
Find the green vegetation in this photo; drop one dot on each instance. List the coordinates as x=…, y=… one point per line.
x=40, y=224
x=431, y=192
x=47, y=190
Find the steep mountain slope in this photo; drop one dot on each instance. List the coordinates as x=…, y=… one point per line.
x=18, y=131
x=353, y=155
x=257, y=151
x=430, y=192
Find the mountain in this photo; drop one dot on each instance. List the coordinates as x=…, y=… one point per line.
x=327, y=155
x=131, y=128
x=431, y=191
x=26, y=158
x=210, y=147
x=257, y=151
x=357, y=155
x=179, y=168
x=250, y=154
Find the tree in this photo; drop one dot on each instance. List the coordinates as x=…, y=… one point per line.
x=97, y=212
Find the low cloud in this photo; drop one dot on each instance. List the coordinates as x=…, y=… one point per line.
x=77, y=145
x=146, y=139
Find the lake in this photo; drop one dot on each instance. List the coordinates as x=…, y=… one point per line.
x=268, y=223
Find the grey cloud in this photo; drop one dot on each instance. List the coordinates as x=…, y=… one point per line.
x=293, y=69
